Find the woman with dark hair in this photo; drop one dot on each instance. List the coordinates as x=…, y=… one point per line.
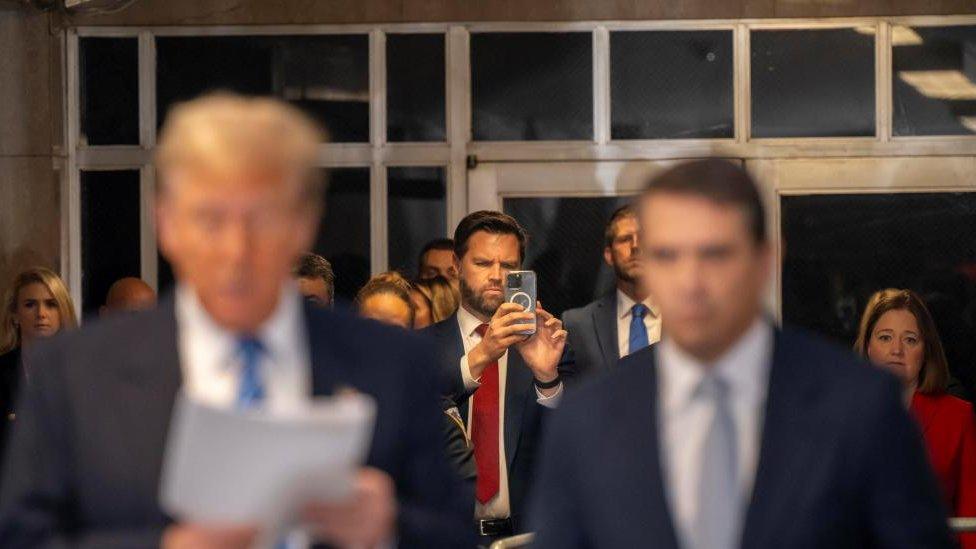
x=898, y=333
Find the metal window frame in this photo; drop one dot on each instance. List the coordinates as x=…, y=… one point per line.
x=454, y=153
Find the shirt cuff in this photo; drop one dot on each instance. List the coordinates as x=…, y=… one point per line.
x=470, y=383
x=549, y=401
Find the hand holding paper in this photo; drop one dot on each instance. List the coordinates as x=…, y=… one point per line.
x=225, y=467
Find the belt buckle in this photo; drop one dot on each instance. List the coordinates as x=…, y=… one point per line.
x=481, y=527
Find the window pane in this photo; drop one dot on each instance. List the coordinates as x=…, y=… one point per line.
x=344, y=235
x=812, y=83
x=417, y=214
x=109, y=74
x=671, y=85
x=110, y=228
x=844, y=247
x=934, y=88
x=566, y=246
x=415, y=87
x=532, y=86
x=326, y=76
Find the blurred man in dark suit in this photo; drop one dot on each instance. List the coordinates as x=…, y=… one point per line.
x=237, y=206
x=623, y=321
x=512, y=379
x=731, y=433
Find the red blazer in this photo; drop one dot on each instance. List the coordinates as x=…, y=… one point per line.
x=949, y=428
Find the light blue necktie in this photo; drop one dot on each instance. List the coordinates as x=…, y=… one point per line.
x=638, y=331
x=250, y=389
x=716, y=524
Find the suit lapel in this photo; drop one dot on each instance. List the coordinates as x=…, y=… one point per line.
x=644, y=412
x=605, y=324
x=448, y=337
x=322, y=360
x=518, y=385
x=147, y=387
x=786, y=443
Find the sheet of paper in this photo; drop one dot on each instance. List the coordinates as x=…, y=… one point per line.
x=232, y=467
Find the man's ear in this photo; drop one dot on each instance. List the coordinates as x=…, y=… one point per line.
x=608, y=256
x=457, y=263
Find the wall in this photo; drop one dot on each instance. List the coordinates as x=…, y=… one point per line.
x=248, y=12
x=30, y=118
x=31, y=79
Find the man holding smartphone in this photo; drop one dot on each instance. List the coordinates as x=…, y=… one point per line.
x=503, y=395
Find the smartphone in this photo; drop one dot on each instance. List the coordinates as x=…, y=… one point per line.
x=520, y=288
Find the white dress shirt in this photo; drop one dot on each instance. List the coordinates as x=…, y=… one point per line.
x=684, y=420
x=211, y=363
x=652, y=321
x=498, y=506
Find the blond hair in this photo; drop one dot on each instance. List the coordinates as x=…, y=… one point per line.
x=390, y=283
x=222, y=133
x=444, y=298
x=9, y=332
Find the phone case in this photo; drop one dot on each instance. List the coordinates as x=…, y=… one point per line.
x=522, y=292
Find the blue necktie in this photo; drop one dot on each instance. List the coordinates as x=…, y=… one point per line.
x=638, y=331
x=716, y=524
x=250, y=389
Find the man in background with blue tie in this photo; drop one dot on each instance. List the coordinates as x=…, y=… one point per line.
x=625, y=320
x=239, y=201
x=731, y=433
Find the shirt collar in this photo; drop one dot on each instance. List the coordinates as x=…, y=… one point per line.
x=745, y=367
x=625, y=304
x=468, y=322
x=278, y=333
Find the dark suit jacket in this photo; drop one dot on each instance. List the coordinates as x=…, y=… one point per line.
x=841, y=463
x=593, y=335
x=11, y=374
x=460, y=451
x=524, y=416
x=84, y=463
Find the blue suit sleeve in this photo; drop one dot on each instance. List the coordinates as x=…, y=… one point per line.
x=902, y=504
x=554, y=514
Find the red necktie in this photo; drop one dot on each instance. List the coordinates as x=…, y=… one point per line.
x=484, y=430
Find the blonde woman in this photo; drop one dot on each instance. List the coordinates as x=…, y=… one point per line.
x=35, y=306
x=442, y=295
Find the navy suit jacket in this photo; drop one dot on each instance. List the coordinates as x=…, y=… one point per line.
x=86, y=453
x=524, y=416
x=841, y=463
x=593, y=335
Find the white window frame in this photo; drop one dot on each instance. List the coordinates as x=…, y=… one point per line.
x=454, y=153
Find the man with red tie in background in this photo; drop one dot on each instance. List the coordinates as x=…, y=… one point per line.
x=511, y=379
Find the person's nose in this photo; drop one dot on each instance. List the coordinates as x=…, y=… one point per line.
x=496, y=273
x=234, y=239
x=897, y=347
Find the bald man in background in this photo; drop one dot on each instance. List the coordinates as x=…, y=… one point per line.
x=128, y=294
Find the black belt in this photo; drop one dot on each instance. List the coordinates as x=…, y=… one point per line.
x=495, y=527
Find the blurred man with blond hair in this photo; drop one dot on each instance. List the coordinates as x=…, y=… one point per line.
x=239, y=203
